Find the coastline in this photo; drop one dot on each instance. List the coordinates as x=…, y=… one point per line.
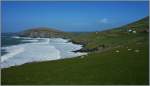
x=85, y=49
x=34, y=51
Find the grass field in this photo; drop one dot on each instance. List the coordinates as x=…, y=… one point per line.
x=126, y=67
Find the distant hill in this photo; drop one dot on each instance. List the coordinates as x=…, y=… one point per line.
x=114, y=36
x=141, y=25
x=42, y=32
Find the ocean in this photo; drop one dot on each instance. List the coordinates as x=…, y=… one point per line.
x=20, y=50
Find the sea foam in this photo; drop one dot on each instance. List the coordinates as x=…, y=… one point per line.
x=39, y=49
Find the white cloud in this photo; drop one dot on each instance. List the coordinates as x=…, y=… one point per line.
x=104, y=20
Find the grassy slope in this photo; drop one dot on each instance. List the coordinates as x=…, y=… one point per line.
x=112, y=37
x=107, y=67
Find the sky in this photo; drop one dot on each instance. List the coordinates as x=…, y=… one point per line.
x=70, y=16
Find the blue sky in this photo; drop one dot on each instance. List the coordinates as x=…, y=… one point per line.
x=70, y=16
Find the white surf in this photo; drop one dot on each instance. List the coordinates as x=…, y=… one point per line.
x=39, y=49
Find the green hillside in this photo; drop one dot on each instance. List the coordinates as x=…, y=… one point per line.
x=113, y=37
x=116, y=57
x=42, y=32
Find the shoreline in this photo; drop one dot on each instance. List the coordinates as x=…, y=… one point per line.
x=32, y=50
x=84, y=49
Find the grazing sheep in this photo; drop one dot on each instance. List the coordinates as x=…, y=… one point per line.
x=117, y=51
x=129, y=30
x=134, y=31
x=136, y=50
x=129, y=49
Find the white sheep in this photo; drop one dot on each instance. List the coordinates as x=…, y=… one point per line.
x=129, y=49
x=117, y=51
x=136, y=50
x=134, y=31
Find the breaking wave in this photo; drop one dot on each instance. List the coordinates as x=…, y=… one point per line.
x=38, y=49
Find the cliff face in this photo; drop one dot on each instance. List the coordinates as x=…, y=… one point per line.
x=42, y=32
